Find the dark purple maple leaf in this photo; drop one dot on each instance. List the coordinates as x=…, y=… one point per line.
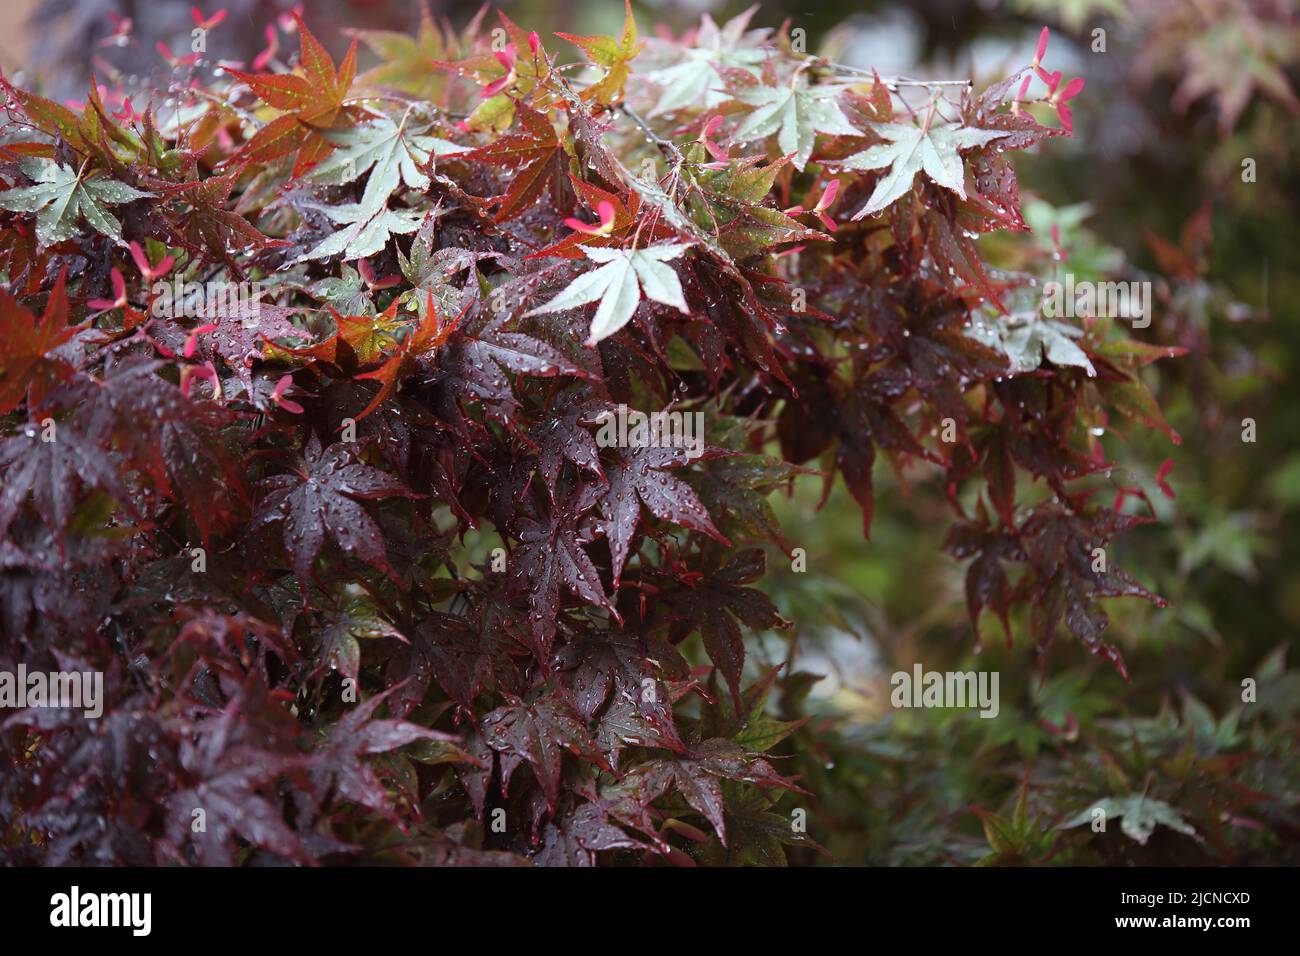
x=714, y=605
x=540, y=733
x=319, y=498
x=550, y=557
x=342, y=769
x=640, y=477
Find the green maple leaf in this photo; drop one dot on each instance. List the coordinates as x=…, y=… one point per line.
x=61, y=197
x=908, y=150
x=1138, y=815
x=614, y=55
x=347, y=292
x=393, y=154
x=365, y=231
x=796, y=113
x=407, y=63
x=1026, y=339
x=694, y=80
x=624, y=276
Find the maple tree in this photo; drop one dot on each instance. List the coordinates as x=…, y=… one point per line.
x=359, y=577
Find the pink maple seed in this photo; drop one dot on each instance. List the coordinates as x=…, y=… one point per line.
x=288, y=21
x=1020, y=94
x=1053, y=79
x=1042, y=46
x=207, y=23
x=506, y=58
x=205, y=371
x=1163, y=474
x=713, y=149
x=1059, y=98
x=271, y=49
x=172, y=59
x=192, y=341
x=151, y=273
x=1055, y=232
x=825, y=203
x=121, y=34
x=119, y=290
x=127, y=114
x=277, y=395
x=606, y=211
x=371, y=280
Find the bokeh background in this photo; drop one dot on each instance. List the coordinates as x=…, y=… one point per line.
x=1182, y=172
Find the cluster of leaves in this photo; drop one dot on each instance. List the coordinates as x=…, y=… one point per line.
x=362, y=582
x=1182, y=786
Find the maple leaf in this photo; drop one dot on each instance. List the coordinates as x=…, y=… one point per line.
x=628, y=680
x=567, y=438
x=1063, y=583
x=61, y=197
x=94, y=133
x=429, y=267
x=199, y=221
x=346, y=292
x=312, y=101
x=796, y=112
x=986, y=583
x=358, y=734
x=320, y=498
x=624, y=276
x=51, y=473
x=575, y=838
x=228, y=776
x=714, y=605
x=536, y=155
x=430, y=333
x=1027, y=339
x=406, y=63
x=356, y=618
x=172, y=439
x=26, y=343
x=551, y=555
x=909, y=149
x=749, y=725
x=459, y=655
x=1139, y=815
x=1230, y=55
x=695, y=80
x=697, y=777
x=365, y=231
x=745, y=226
x=474, y=366
x=737, y=487
x=539, y=734
x=865, y=421
x=392, y=154
x=611, y=54
x=641, y=477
